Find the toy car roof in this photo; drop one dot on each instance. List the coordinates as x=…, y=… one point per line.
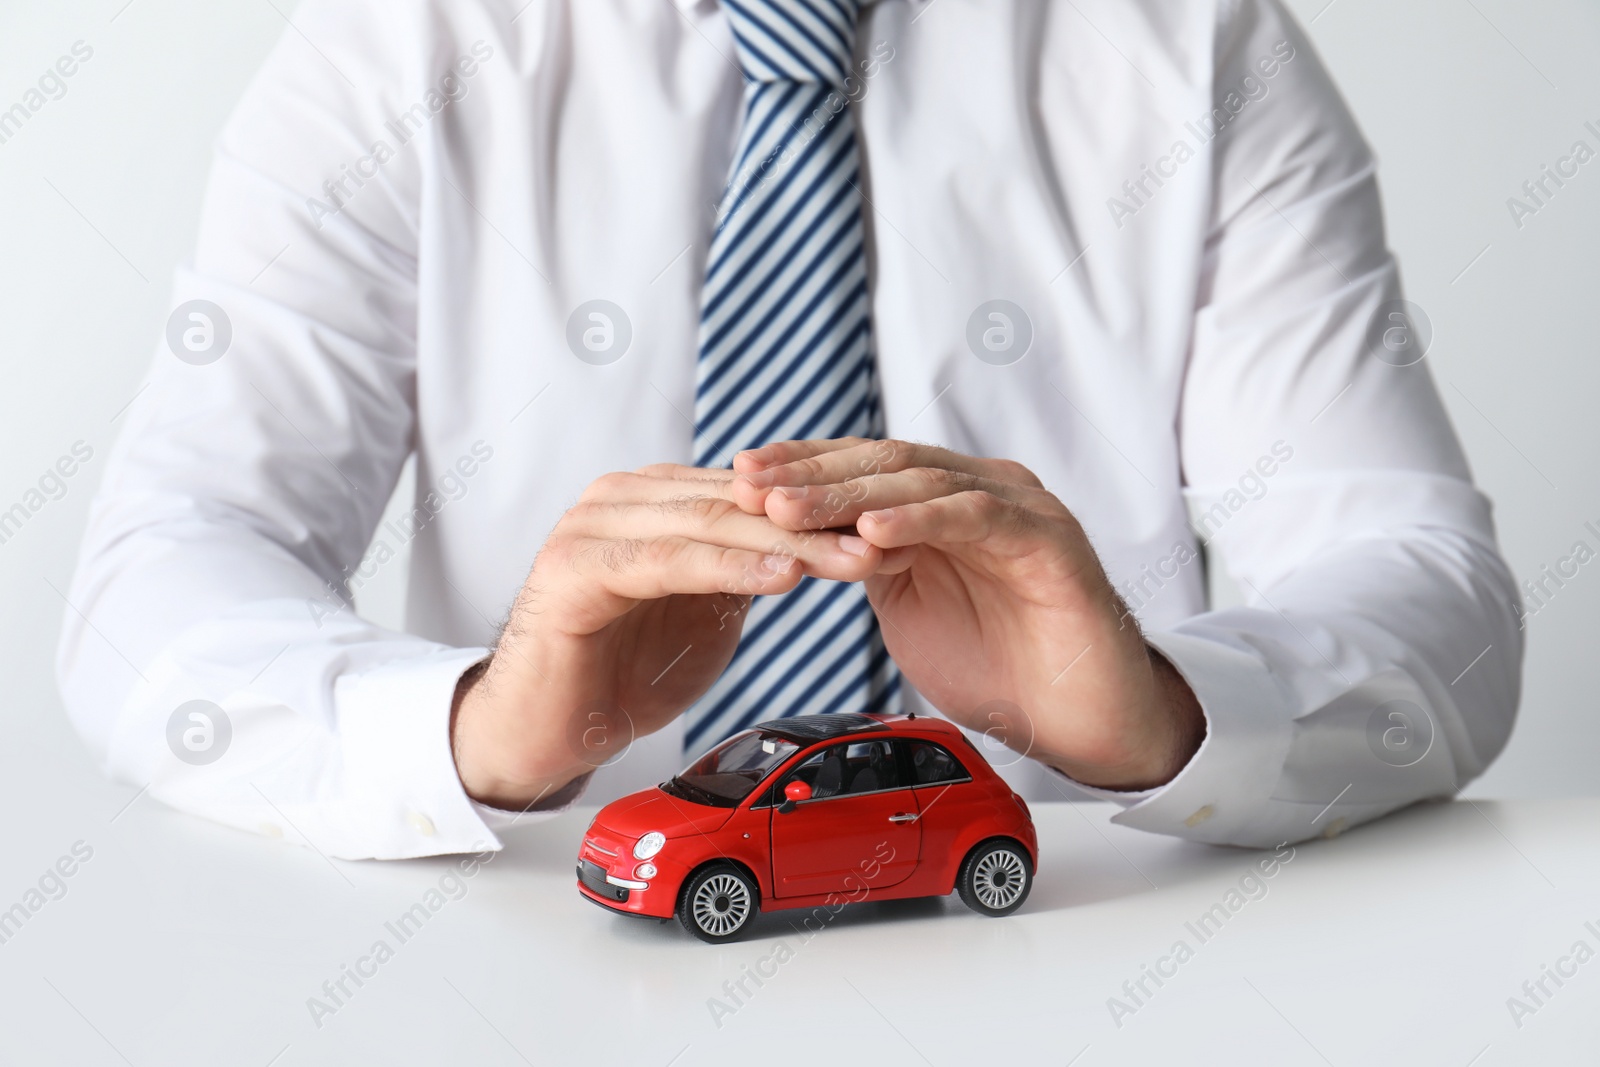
x=806, y=729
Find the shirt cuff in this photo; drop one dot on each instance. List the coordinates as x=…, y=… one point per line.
x=1225, y=786
x=400, y=774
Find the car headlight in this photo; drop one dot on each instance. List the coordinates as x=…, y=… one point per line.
x=645, y=871
x=649, y=845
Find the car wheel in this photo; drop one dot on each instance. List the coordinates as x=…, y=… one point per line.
x=995, y=878
x=718, y=902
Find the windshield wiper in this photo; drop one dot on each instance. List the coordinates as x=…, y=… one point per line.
x=692, y=793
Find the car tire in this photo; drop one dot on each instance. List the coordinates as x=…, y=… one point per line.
x=995, y=877
x=718, y=903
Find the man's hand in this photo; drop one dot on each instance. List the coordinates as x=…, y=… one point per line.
x=633, y=608
x=992, y=602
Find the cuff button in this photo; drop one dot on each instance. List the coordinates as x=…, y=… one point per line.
x=421, y=823
x=1199, y=817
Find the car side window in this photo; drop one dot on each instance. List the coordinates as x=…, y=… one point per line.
x=871, y=766
x=932, y=764
x=848, y=769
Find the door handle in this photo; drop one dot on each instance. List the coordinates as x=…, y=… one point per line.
x=903, y=817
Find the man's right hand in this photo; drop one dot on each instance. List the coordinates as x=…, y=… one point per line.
x=633, y=608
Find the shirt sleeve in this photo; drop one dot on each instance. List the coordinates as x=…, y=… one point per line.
x=1376, y=661
x=252, y=469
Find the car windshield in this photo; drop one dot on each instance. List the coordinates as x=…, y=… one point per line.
x=731, y=771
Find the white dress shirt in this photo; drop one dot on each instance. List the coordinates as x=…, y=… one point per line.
x=413, y=198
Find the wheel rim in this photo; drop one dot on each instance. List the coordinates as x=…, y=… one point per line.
x=998, y=878
x=721, y=904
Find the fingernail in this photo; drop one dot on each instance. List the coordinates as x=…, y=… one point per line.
x=758, y=479
x=856, y=546
x=777, y=564
x=756, y=455
x=790, y=492
x=879, y=516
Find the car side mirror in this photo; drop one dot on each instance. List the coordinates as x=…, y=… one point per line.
x=793, y=793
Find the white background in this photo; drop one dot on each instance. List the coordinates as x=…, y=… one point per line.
x=1463, y=100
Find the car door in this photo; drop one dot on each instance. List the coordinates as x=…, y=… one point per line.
x=947, y=798
x=859, y=831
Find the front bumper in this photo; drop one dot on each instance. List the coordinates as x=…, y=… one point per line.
x=593, y=877
x=608, y=880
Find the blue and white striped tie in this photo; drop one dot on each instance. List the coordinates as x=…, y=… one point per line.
x=786, y=349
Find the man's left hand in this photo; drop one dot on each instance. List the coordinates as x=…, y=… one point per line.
x=992, y=602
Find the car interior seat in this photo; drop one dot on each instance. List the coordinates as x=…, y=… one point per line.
x=880, y=771
x=830, y=776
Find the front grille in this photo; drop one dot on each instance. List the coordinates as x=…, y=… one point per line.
x=593, y=877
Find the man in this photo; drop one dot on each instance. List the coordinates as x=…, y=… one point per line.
x=667, y=288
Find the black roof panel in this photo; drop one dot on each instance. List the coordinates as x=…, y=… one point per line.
x=809, y=728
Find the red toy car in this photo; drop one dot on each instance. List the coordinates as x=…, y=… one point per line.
x=814, y=810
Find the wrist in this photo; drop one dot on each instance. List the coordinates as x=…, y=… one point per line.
x=1182, y=720
x=497, y=760
x=1165, y=729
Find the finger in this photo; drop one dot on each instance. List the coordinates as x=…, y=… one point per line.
x=684, y=473
x=840, y=557
x=966, y=517
x=897, y=560
x=637, y=487
x=754, y=459
x=877, y=457
x=649, y=568
x=820, y=507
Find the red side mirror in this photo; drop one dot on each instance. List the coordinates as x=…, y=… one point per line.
x=797, y=791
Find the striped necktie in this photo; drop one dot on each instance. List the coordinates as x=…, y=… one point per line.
x=786, y=349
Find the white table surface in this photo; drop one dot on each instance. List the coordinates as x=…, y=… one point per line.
x=181, y=942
